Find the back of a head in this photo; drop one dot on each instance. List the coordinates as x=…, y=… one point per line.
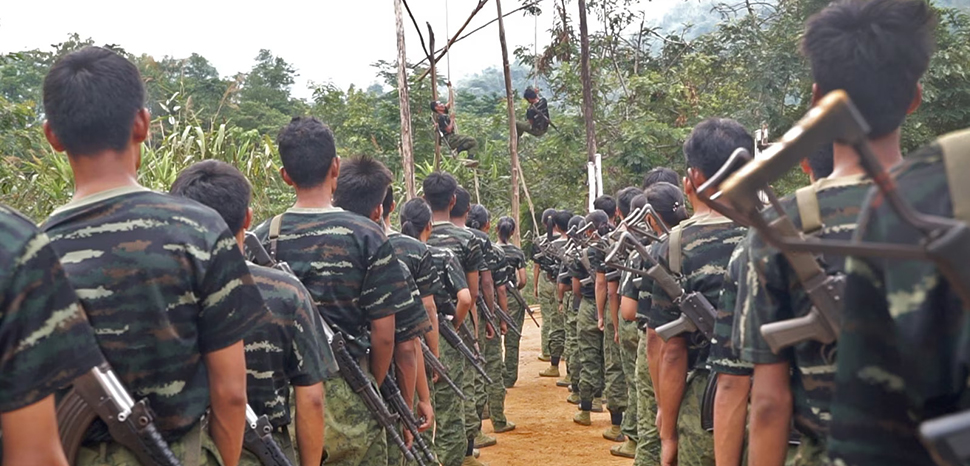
x=462, y=203
x=388, y=202
x=362, y=185
x=600, y=221
x=415, y=217
x=875, y=50
x=307, y=150
x=668, y=201
x=822, y=161
x=439, y=188
x=623, y=198
x=712, y=142
x=576, y=221
x=530, y=93
x=606, y=203
x=219, y=186
x=477, y=217
x=562, y=218
x=505, y=228
x=547, y=215
x=661, y=174
x=91, y=99
x=639, y=201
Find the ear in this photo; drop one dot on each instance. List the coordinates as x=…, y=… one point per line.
x=377, y=214
x=688, y=184
x=286, y=177
x=140, y=130
x=248, y=221
x=52, y=138
x=917, y=99
x=816, y=94
x=806, y=169
x=335, y=170
x=393, y=206
x=451, y=204
x=697, y=179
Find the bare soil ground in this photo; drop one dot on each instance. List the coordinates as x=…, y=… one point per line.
x=545, y=433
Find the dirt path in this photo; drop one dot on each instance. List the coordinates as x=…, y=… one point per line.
x=545, y=433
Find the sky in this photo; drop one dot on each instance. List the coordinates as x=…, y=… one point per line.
x=325, y=40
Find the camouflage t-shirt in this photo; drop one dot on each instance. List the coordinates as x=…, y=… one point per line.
x=417, y=257
x=903, y=350
x=461, y=242
x=582, y=270
x=724, y=356
x=773, y=293
x=346, y=263
x=500, y=274
x=45, y=339
x=163, y=282
x=645, y=291
x=412, y=321
x=452, y=276
x=287, y=348
x=706, y=245
x=515, y=260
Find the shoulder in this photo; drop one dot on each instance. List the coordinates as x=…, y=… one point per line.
x=16, y=232
x=276, y=286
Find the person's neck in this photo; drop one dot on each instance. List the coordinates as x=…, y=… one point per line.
x=885, y=148
x=387, y=226
x=317, y=197
x=457, y=221
x=440, y=216
x=700, y=208
x=101, y=172
x=241, y=240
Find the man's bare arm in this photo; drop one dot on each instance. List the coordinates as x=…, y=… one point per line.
x=382, y=347
x=310, y=427
x=30, y=435
x=730, y=416
x=226, y=369
x=673, y=379
x=771, y=412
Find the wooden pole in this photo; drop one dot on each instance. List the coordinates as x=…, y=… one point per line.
x=434, y=96
x=434, y=60
x=407, y=145
x=513, y=136
x=587, y=89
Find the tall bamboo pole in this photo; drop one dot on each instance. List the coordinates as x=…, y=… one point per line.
x=513, y=136
x=434, y=96
x=587, y=90
x=407, y=145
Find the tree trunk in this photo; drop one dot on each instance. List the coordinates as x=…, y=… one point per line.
x=434, y=96
x=513, y=137
x=407, y=147
x=587, y=89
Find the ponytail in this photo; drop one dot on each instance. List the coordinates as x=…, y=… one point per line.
x=600, y=221
x=506, y=226
x=415, y=217
x=668, y=201
x=477, y=217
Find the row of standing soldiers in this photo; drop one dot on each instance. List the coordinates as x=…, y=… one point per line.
x=191, y=338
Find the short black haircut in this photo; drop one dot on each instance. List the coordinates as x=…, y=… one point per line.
x=217, y=185
x=661, y=174
x=307, y=150
x=388, y=202
x=530, y=93
x=562, y=218
x=623, y=198
x=606, y=203
x=439, y=188
x=638, y=201
x=668, y=201
x=91, y=99
x=875, y=50
x=822, y=161
x=575, y=221
x=362, y=184
x=463, y=202
x=477, y=217
x=712, y=142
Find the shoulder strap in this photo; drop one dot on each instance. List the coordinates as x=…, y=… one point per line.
x=808, y=210
x=956, y=158
x=674, y=252
x=274, y=233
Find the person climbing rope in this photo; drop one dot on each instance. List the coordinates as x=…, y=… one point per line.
x=538, y=115
x=446, y=125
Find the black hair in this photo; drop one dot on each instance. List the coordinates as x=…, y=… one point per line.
x=218, y=185
x=91, y=99
x=623, y=198
x=439, y=188
x=712, y=142
x=639, y=201
x=560, y=219
x=307, y=150
x=530, y=93
x=546, y=215
x=575, y=221
x=600, y=221
x=606, y=203
x=362, y=185
x=668, y=201
x=434, y=105
x=661, y=174
x=415, y=217
x=822, y=161
x=388, y=202
x=477, y=217
x=463, y=202
x=875, y=50
x=505, y=228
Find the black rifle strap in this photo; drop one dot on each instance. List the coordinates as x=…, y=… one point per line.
x=274, y=234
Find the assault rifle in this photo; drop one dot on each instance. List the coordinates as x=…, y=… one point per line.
x=493, y=316
x=392, y=394
x=258, y=440
x=488, y=314
x=948, y=438
x=448, y=332
x=99, y=394
x=697, y=314
x=517, y=296
x=439, y=368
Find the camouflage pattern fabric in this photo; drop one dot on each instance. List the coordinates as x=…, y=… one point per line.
x=553, y=321
x=450, y=440
x=773, y=293
x=417, y=257
x=452, y=278
x=648, y=438
x=286, y=444
x=45, y=339
x=114, y=454
x=515, y=261
x=288, y=347
x=495, y=368
x=163, y=282
x=590, y=342
x=460, y=143
x=724, y=358
x=903, y=347
x=412, y=321
x=473, y=385
x=615, y=389
x=346, y=263
x=696, y=445
x=491, y=259
x=629, y=339
x=571, y=353
x=353, y=436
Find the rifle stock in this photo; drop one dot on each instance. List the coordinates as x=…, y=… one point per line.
x=258, y=440
x=512, y=290
x=392, y=394
x=439, y=368
x=948, y=438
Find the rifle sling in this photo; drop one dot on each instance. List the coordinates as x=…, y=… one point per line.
x=674, y=251
x=808, y=210
x=956, y=159
x=274, y=234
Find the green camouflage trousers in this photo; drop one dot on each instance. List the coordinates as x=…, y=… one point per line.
x=571, y=353
x=493, y=393
x=811, y=452
x=353, y=436
x=512, y=344
x=648, y=439
x=285, y=443
x=590, y=342
x=553, y=323
x=524, y=127
x=629, y=339
x=114, y=454
x=474, y=387
x=450, y=440
x=695, y=445
x=613, y=378
x=459, y=143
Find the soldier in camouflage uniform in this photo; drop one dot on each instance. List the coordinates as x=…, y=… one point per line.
x=38, y=358
x=543, y=267
x=152, y=271
x=350, y=270
x=288, y=349
x=549, y=295
x=880, y=73
x=569, y=308
x=704, y=248
x=515, y=271
x=589, y=333
x=439, y=192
